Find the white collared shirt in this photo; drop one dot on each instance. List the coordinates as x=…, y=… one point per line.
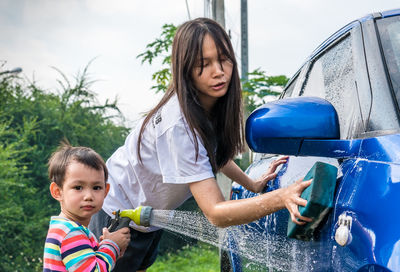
x=169, y=165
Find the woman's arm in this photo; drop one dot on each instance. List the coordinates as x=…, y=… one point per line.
x=235, y=212
x=233, y=171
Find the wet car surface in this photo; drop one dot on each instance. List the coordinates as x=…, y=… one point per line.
x=341, y=107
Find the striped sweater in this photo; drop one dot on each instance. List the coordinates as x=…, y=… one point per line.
x=72, y=247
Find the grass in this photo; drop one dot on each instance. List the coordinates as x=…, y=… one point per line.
x=198, y=258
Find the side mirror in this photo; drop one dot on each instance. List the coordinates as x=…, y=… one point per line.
x=279, y=127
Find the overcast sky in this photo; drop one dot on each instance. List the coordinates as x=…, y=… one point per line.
x=67, y=34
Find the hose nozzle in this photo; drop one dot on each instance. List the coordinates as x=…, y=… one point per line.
x=141, y=215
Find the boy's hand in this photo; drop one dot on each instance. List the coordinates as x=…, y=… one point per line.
x=121, y=237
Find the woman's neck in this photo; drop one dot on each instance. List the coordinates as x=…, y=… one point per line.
x=207, y=102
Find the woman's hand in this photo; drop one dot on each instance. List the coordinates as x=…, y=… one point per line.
x=260, y=183
x=292, y=200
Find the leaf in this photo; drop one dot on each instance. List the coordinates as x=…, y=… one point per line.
x=160, y=49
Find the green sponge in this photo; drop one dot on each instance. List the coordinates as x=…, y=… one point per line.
x=319, y=196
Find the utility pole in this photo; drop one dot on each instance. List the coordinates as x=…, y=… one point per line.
x=218, y=14
x=207, y=4
x=244, y=39
x=218, y=11
x=246, y=157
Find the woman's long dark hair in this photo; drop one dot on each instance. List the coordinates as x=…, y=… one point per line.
x=220, y=130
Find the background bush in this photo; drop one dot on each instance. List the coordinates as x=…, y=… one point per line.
x=32, y=124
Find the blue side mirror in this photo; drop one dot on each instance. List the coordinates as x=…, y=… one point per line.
x=279, y=127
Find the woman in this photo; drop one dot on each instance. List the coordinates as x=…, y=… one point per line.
x=194, y=132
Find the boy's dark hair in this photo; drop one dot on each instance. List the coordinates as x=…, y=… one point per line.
x=221, y=130
x=66, y=153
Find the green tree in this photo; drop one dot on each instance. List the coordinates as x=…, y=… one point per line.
x=17, y=208
x=32, y=124
x=259, y=87
x=161, y=49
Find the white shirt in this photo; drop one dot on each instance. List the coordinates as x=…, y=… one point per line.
x=169, y=165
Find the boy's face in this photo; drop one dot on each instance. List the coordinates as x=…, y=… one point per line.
x=82, y=193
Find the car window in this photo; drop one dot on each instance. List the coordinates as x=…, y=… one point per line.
x=383, y=117
x=289, y=89
x=389, y=30
x=332, y=77
x=293, y=87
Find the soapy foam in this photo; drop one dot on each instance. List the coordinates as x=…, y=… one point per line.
x=259, y=249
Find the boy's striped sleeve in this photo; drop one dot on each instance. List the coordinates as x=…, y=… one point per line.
x=78, y=254
x=72, y=247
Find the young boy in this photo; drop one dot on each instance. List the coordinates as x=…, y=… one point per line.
x=78, y=181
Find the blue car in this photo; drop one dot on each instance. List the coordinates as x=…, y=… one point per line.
x=341, y=108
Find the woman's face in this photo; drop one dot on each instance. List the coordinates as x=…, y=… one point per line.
x=214, y=80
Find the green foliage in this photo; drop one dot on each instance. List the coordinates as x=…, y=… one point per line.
x=32, y=124
x=17, y=233
x=161, y=48
x=199, y=258
x=257, y=88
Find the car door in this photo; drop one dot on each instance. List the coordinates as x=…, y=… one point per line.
x=352, y=75
x=356, y=70
x=339, y=75
x=331, y=74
